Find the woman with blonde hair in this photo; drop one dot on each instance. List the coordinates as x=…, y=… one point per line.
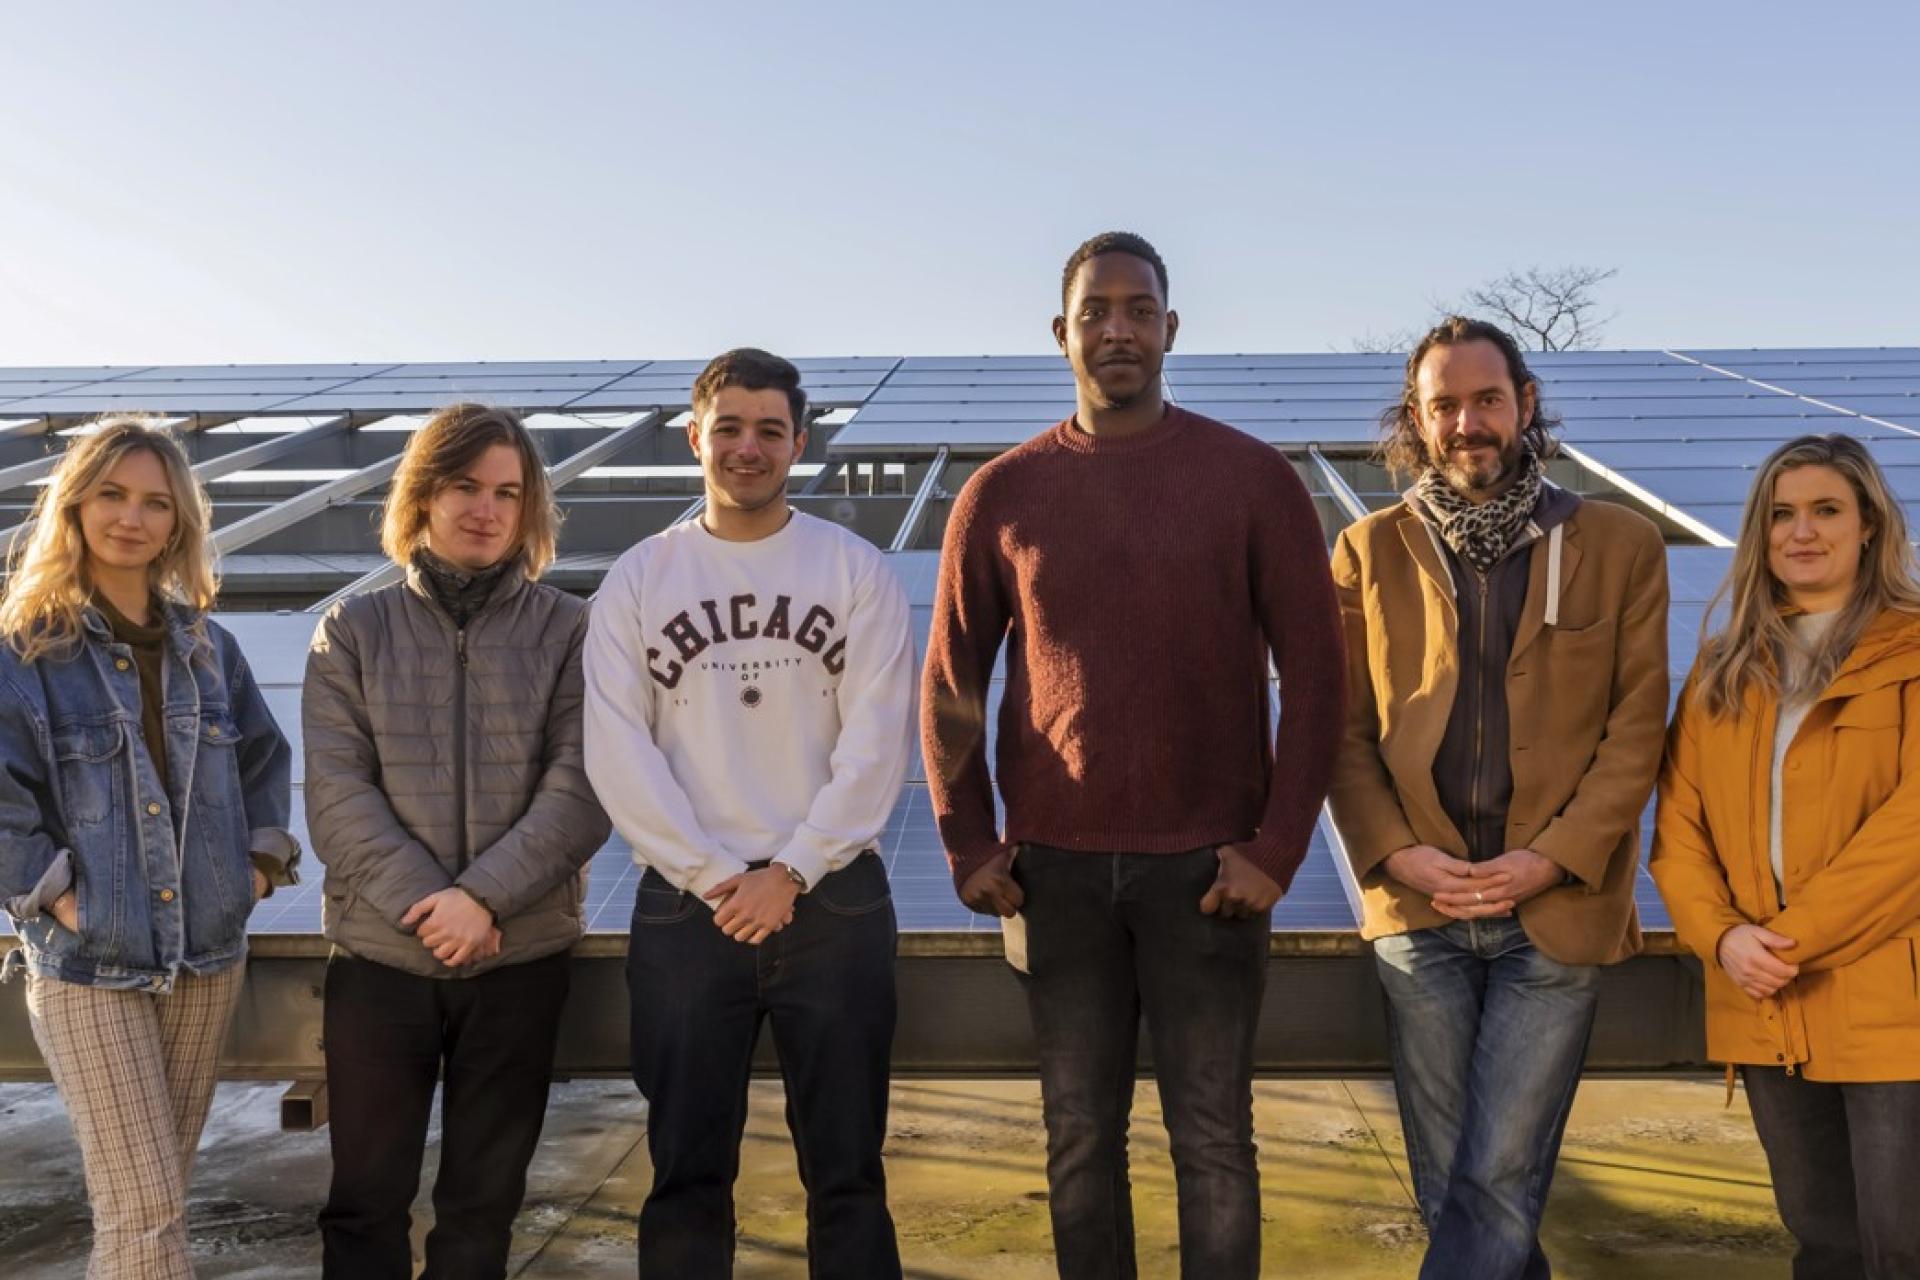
x=1787, y=847
x=143, y=811
x=448, y=797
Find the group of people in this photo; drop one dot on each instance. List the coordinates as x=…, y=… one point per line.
x=1478, y=685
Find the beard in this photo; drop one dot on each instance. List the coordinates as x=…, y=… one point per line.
x=1472, y=477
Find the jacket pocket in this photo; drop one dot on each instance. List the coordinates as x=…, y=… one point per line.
x=856, y=889
x=84, y=758
x=216, y=767
x=658, y=902
x=1882, y=988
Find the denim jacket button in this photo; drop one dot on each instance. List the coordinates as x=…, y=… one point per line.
x=166, y=895
x=121, y=664
x=153, y=808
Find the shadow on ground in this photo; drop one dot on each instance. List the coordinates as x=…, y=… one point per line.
x=1657, y=1182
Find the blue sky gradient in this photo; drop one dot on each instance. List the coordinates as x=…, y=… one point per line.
x=208, y=183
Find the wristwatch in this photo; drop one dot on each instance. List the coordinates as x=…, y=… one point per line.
x=799, y=881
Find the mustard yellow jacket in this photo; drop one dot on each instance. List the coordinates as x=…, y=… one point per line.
x=1850, y=842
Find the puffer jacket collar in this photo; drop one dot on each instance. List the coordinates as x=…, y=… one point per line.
x=511, y=583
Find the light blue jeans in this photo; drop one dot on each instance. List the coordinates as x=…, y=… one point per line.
x=1488, y=1036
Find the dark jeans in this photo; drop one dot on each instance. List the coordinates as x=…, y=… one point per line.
x=825, y=982
x=389, y=1036
x=1846, y=1162
x=1488, y=1035
x=1111, y=936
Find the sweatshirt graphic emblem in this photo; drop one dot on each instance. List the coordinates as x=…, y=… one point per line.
x=750, y=697
x=691, y=632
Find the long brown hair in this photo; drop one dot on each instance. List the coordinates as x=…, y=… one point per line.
x=1751, y=650
x=1402, y=448
x=440, y=452
x=48, y=582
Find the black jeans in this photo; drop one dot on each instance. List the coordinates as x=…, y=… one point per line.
x=389, y=1035
x=825, y=983
x=1845, y=1160
x=1109, y=937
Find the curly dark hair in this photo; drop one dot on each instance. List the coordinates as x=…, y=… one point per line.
x=1113, y=242
x=1404, y=450
x=753, y=370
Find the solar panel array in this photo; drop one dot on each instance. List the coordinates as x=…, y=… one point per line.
x=297, y=456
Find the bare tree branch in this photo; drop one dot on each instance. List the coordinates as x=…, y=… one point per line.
x=1390, y=342
x=1547, y=308
x=1544, y=308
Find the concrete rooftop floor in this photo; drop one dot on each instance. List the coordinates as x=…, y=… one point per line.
x=1657, y=1182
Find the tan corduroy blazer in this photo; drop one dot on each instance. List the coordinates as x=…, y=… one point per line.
x=1586, y=697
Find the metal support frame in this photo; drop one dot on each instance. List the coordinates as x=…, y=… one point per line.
x=239, y=460
x=1337, y=487
x=961, y=1010
x=917, y=512
x=303, y=1107
x=692, y=512
x=29, y=426
x=263, y=524
x=25, y=473
x=1691, y=523
x=270, y=451
x=559, y=475
x=819, y=480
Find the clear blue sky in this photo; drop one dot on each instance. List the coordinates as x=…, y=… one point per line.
x=345, y=181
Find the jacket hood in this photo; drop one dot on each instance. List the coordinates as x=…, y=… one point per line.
x=1888, y=652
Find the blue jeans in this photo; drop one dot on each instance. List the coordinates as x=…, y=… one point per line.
x=1845, y=1160
x=1488, y=1036
x=1111, y=936
x=825, y=984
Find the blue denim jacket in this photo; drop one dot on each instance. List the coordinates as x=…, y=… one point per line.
x=163, y=878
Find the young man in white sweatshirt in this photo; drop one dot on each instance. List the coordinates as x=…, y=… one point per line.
x=749, y=717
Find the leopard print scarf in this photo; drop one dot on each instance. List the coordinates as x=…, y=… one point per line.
x=1480, y=533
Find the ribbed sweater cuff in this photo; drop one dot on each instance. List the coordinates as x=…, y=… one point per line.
x=1278, y=859
x=965, y=863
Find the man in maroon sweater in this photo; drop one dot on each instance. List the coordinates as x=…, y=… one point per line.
x=1142, y=563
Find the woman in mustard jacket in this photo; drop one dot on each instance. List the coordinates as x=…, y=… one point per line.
x=1787, y=848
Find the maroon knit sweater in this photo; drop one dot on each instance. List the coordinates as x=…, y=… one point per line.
x=1139, y=584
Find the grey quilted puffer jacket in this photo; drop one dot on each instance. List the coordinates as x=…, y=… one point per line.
x=438, y=756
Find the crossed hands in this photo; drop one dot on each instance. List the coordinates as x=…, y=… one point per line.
x=454, y=927
x=1239, y=890
x=1473, y=890
x=754, y=905
x=1746, y=952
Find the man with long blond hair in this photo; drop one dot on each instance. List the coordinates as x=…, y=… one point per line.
x=447, y=797
x=1507, y=664
x=143, y=811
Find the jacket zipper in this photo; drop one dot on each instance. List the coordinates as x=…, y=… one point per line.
x=460, y=746
x=1475, y=809
x=1769, y=891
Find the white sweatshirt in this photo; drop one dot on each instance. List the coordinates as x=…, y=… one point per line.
x=749, y=700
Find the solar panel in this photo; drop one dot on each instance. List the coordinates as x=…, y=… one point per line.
x=1661, y=422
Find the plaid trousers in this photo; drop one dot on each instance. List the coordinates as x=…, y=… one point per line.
x=136, y=1070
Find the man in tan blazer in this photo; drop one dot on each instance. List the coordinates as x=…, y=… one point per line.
x=1507, y=674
